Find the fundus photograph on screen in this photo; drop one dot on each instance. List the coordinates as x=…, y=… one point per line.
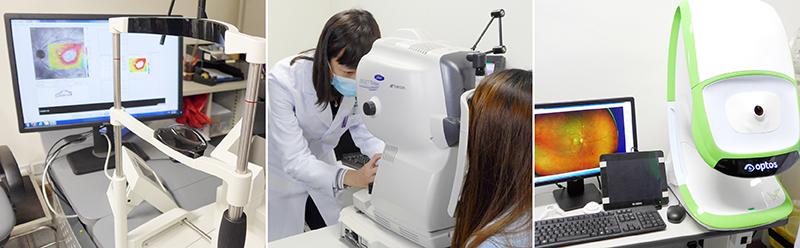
x=58, y=53
x=570, y=137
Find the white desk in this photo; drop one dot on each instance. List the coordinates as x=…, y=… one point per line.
x=329, y=236
x=323, y=237
x=683, y=232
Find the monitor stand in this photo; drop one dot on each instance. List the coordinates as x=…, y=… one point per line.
x=93, y=158
x=576, y=195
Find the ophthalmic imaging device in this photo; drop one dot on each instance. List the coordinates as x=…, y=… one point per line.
x=423, y=86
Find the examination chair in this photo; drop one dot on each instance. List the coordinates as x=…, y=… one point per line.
x=13, y=188
x=7, y=220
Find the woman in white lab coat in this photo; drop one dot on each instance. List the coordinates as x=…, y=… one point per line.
x=312, y=103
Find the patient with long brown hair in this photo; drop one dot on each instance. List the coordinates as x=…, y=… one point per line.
x=495, y=208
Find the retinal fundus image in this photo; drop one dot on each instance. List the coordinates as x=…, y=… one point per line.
x=58, y=53
x=574, y=141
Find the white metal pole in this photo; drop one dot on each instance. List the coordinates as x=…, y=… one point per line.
x=251, y=95
x=118, y=182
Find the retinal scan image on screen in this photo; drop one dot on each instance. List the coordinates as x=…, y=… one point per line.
x=59, y=53
x=572, y=141
x=64, y=72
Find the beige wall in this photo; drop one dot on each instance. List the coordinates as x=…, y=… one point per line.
x=457, y=22
x=28, y=147
x=254, y=17
x=294, y=26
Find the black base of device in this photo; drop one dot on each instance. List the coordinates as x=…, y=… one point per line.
x=232, y=234
x=576, y=195
x=85, y=161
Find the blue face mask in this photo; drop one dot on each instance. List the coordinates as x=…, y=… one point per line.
x=345, y=86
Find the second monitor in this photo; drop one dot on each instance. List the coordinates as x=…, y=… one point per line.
x=569, y=139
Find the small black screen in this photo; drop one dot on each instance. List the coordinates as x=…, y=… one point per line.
x=634, y=180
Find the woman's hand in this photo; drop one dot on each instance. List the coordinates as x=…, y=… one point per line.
x=362, y=177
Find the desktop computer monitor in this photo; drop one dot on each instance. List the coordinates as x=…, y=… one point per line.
x=62, y=73
x=571, y=136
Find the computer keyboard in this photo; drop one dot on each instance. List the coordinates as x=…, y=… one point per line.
x=598, y=226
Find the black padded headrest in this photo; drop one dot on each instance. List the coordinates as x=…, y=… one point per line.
x=10, y=176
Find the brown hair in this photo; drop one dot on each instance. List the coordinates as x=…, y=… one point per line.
x=351, y=33
x=497, y=189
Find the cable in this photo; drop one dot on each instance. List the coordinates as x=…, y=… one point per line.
x=676, y=195
x=169, y=13
x=108, y=155
x=45, y=179
x=80, y=137
x=52, y=156
x=60, y=193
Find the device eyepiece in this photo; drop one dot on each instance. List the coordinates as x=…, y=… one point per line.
x=758, y=110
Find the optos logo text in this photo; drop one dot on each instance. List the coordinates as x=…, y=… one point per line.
x=761, y=166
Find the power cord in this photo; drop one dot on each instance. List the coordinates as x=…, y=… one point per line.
x=75, y=138
x=677, y=199
x=169, y=13
x=51, y=156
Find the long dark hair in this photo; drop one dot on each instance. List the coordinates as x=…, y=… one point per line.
x=497, y=189
x=351, y=33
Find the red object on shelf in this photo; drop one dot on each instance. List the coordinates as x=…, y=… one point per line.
x=193, y=114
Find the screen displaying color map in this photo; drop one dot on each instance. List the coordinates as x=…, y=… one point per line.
x=58, y=53
x=64, y=71
x=570, y=139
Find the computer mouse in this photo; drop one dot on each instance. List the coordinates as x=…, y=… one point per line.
x=676, y=214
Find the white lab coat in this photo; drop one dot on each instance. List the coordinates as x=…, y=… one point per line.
x=302, y=136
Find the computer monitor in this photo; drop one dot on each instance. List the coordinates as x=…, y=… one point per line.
x=62, y=73
x=571, y=136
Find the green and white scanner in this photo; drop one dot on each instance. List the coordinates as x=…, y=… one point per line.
x=732, y=111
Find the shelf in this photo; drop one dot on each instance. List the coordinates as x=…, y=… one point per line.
x=191, y=88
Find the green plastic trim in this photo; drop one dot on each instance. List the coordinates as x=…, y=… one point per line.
x=673, y=47
x=739, y=221
x=709, y=81
x=681, y=22
x=701, y=131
